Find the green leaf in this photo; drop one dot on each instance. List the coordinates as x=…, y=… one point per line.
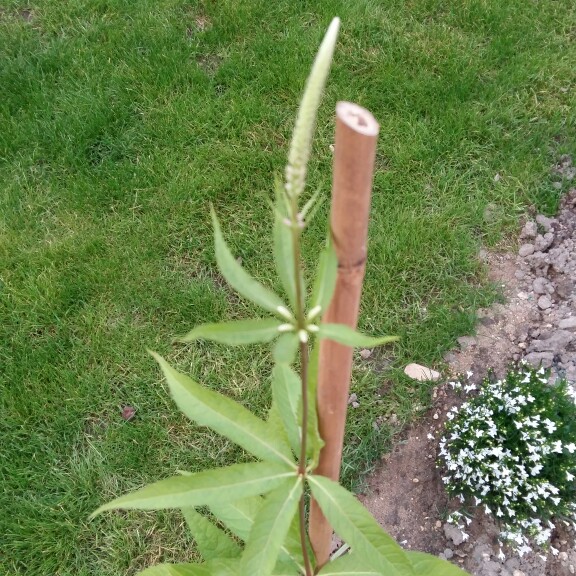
x=315, y=442
x=238, y=278
x=238, y=516
x=223, y=415
x=345, y=335
x=427, y=565
x=312, y=205
x=177, y=570
x=235, y=333
x=213, y=568
x=287, y=393
x=221, y=484
x=349, y=565
x=211, y=541
x=356, y=526
x=270, y=528
x=224, y=567
x=283, y=247
x=325, y=277
x=285, y=348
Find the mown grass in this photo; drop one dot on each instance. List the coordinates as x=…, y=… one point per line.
x=121, y=121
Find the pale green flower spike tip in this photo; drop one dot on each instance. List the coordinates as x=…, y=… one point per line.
x=306, y=120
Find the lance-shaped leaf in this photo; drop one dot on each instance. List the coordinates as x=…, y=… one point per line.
x=177, y=570
x=356, y=526
x=285, y=348
x=238, y=516
x=225, y=416
x=315, y=442
x=235, y=333
x=345, y=335
x=205, y=488
x=348, y=565
x=211, y=541
x=238, y=278
x=427, y=565
x=283, y=247
x=287, y=393
x=270, y=528
x=213, y=568
x=325, y=277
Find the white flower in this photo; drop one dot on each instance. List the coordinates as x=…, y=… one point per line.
x=469, y=374
x=569, y=476
x=551, y=426
x=570, y=447
x=554, y=551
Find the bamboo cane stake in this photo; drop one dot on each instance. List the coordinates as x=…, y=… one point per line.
x=354, y=155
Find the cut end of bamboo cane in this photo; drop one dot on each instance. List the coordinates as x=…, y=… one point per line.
x=357, y=118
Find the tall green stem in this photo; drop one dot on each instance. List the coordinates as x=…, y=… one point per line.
x=301, y=326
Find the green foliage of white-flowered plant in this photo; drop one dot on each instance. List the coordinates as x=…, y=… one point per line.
x=511, y=449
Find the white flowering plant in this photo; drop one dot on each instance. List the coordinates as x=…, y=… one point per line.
x=511, y=450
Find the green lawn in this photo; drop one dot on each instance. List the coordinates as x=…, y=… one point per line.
x=121, y=120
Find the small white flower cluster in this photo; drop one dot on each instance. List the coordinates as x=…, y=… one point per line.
x=510, y=449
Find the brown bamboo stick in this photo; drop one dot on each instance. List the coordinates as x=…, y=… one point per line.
x=354, y=155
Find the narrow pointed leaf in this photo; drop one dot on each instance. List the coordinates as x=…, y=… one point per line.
x=221, y=484
x=285, y=348
x=238, y=516
x=211, y=541
x=345, y=335
x=287, y=569
x=235, y=333
x=283, y=248
x=348, y=565
x=224, y=567
x=427, y=565
x=356, y=526
x=313, y=203
x=212, y=568
x=238, y=278
x=287, y=393
x=315, y=442
x=270, y=528
x=223, y=415
x=325, y=277
x=177, y=570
